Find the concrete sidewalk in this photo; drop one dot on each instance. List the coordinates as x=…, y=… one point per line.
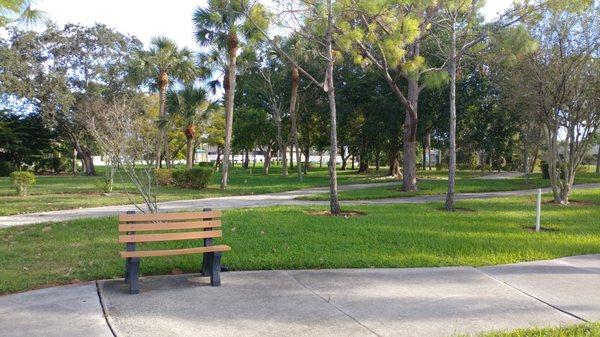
x=345, y=302
x=259, y=200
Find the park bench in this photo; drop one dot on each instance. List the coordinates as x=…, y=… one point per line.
x=170, y=227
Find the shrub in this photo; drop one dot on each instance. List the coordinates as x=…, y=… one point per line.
x=545, y=169
x=163, y=177
x=197, y=177
x=6, y=168
x=205, y=164
x=22, y=180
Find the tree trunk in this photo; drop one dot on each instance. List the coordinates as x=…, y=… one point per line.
x=246, y=159
x=218, y=160
x=229, y=86
x=394, y=162
x=88, y=162
x=320, y=159
x=429, y=155
x=189, y=152
x=426, y=146
x=344, y=157
x=377, y=159
x=409, y=140
x=74, y=161
x=163, y=83
x=291, y=156
x=352, y=163
x=363, y=160
x=452, y=163
x=598, y=160
x=293, y=103
x=334, y=204
x=267, y=164
x=306, y=159
x=280, y=144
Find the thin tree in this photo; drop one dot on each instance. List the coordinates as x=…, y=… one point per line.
x=317, y=27
x=463, y=24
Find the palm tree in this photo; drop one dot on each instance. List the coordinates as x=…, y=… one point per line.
x=221, y=24
x=20, y=11
x=155, y=66
x=191, y=106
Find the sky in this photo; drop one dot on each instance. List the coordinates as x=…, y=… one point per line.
x=147, y=18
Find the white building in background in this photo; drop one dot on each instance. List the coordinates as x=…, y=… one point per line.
x=206, y=153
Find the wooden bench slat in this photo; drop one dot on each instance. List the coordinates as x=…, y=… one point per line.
x=170, y=252
x=160, y=226
x=169, y=236
x=169, y=216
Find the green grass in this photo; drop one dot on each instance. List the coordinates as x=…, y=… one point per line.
x=581, y=330
x=465, y=183
x=68, y=192
x=487, y=232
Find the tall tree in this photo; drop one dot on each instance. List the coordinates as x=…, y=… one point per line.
x=563, y=76
x=55, y=71
x=388, y=35
x=156, y=66
x=222, y=25
x=462, y=22
x=317, y=28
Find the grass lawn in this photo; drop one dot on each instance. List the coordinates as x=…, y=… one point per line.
x=581, y=330
x=67, y=191
x=465, y=183
x=485, y=232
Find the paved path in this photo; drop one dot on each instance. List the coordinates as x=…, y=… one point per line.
x=259, y=200
x=502, y=175
x=344, y=302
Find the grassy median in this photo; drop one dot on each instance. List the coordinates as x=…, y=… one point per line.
x=482, y=232
x=436, y=185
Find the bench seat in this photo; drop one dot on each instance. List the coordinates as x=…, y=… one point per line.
x=170, y=252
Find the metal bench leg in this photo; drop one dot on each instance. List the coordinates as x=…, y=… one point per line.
x=134, y=274
x=215, y=269
x=127, y=267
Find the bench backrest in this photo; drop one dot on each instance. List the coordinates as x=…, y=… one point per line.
x=181, y=226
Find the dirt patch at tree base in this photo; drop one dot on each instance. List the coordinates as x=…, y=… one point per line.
x=348, y=214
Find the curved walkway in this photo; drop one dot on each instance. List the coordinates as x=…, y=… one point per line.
x=413, y=302
x=259, y=200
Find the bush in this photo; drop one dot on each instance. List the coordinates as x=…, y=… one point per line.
x=53, y=164
x=545, y=169
x=206, y=164
x=22, y=180
x=197, y=177
x=6, y=168
x=163, y=177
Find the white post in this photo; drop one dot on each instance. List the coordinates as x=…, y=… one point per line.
x=539, y=210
